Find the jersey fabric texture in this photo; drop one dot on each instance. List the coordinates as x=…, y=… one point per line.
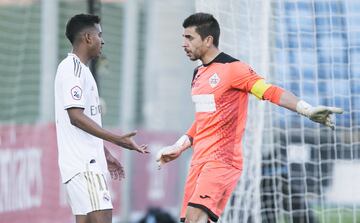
x=75, y=87
x=220, y=92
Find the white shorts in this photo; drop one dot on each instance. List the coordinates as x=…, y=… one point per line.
x=88, y=192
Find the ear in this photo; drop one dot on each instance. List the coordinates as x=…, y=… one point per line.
x=209, y=41
x=87, y=37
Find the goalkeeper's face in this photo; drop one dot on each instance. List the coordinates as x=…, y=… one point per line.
x=194, y=47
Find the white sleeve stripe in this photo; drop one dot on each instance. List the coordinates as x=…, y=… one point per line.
x=77, y=67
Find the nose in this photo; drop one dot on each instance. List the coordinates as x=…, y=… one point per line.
x=185, y=44
x=102, y=41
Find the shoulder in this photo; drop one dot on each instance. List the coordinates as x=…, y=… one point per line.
x=70, y=65
x=241, y=67
x=225, y=58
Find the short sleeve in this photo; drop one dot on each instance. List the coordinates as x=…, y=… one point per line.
x=192, y=130
x=243, y=77
x=73, y=85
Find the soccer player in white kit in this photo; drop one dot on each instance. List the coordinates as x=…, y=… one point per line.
x=83, y=159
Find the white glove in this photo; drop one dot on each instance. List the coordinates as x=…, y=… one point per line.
x=169, y=153
x=320, y=114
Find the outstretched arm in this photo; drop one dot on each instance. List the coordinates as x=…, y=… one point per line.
x=246, y=79
x=320, y=114
x=80, y=120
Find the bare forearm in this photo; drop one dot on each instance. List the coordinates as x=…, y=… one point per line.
x=88, y=125
x=83, y=122
x=288, y=100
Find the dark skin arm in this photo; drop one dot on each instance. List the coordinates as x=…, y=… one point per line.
x=115, y=168
x=83, y=122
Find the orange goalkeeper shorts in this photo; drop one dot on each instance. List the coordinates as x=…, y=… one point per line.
x=208, y=187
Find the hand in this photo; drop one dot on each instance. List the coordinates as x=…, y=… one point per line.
x=172, y=152
x=115, y=168
x=167, y=154
x=128, y=142
x=320, y=114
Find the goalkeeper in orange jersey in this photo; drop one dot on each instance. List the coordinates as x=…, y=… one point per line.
x=220, y=91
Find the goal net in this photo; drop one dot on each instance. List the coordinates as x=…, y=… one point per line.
x=296, y=170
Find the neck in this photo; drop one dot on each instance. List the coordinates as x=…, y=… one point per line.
x=83, y=56
x=210, y=55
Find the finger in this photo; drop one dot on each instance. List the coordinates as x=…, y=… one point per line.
x=115, y=175
x=121, y=172
x=336, y=110
x=330, y=123
x=118, y=176
x=142, y=150
x=145, y=148
x=159, y=155
x=137, y=147
x=158, y=158
x=112, y=175
x=158, y=165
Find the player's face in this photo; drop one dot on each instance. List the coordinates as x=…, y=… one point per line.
x=95, y=45
x=193, y=45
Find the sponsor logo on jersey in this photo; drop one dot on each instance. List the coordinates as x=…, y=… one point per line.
x=95, y=109
x=214, y=80
x=76, y=93
x=204, y=102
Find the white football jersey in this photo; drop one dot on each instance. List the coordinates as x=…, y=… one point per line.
x=78, y=150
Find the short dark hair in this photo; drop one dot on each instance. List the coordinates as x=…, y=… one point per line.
x=206, y=25
x=78, y=23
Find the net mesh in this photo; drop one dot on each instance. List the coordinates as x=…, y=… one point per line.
x=19, y=63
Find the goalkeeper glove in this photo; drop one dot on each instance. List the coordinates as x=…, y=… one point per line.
x=172, y=152
x=320, y=114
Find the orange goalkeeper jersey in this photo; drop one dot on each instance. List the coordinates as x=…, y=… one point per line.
x=220, y=92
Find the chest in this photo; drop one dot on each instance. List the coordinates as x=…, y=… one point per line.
x=91, y=90
x=210, y=81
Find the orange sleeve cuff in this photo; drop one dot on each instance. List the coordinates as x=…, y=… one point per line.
x=273, y=94
x=192, y=130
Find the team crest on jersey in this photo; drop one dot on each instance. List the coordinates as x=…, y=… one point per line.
x=214, y=80
x=76, y=93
